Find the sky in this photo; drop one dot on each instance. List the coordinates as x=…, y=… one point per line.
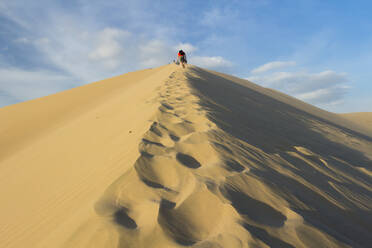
x=315, y=50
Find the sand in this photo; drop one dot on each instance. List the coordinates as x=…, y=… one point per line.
x=363, y=119
x=172, y=157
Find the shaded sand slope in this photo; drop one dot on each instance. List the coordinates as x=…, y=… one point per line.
x=362, y=118
x=316, y=162
x=221, y=163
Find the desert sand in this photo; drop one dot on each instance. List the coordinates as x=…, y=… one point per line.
x=363, y=119
x=172, y=157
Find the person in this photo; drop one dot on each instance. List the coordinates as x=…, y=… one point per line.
x=182, y=58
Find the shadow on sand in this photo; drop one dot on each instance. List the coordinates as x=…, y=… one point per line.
x=266, y=123
x=276, y=128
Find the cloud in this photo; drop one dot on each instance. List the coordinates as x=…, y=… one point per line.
x=109, y=49
x=210, y=62
x=156, y=53
x=326, y=87
x=272, y=65
x=187, y=47
x=14, y=87
x=57, y=46
x=330, y=96
x=300, y=82
x=88, y=55
x=22, y=40
x=108, y=45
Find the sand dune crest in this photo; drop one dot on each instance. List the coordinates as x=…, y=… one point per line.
x=173, y=157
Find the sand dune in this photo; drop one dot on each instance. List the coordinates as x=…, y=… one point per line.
x=362, y=118
x=169, y=157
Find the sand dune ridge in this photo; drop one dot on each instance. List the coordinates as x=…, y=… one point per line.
x=221, y=162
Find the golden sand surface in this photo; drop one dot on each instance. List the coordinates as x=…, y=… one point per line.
x=363, y=119
x=172, y=157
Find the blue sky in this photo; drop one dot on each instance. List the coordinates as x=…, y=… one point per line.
x=318, y=51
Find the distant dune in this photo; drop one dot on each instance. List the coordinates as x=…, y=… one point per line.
x=361, y=118
x=171, y=157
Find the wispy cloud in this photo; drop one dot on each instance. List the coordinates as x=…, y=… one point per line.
x=23, y=40
x=155, y=53
x=211, y=62
x=14, y=87
x=326, y=87
x=108, y=45
x=88, y=40
x=273, y=65
x=330, y=96
x=186, y=47
x=75, y=48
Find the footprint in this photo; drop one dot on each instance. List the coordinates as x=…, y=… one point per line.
x=155, y=129
x=168, y=117
x=232, y=165
x=162, y=172
x=204, y=153
x=263, y=235
x=122, y=218
x=188, y=161
x=180, y=129
x=146, y=141
x=222, y=147
x=253, y=209
x=174, y=137
x=197, y=218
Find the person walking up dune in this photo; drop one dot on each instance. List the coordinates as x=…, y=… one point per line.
x=182, y=58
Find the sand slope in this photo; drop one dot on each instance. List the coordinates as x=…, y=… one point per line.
x=173, y=158
x=59, y=153
x=362, y=118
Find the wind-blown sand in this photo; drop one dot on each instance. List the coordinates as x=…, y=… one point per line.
x=363, y=119
x=168, y=157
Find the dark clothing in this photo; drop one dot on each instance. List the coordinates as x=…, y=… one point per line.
x=182, y=56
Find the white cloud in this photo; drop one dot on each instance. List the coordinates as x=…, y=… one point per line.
x=108, y=45
x=109, y=49
x=156, y=53
x=327, y=87
x=88, y=55
x=273, y=65
x=20, y=85
x=299, y=82
x=330, y=96
x=84, y=49
x=186, y=47
x=210, y=62
x=23, y=40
